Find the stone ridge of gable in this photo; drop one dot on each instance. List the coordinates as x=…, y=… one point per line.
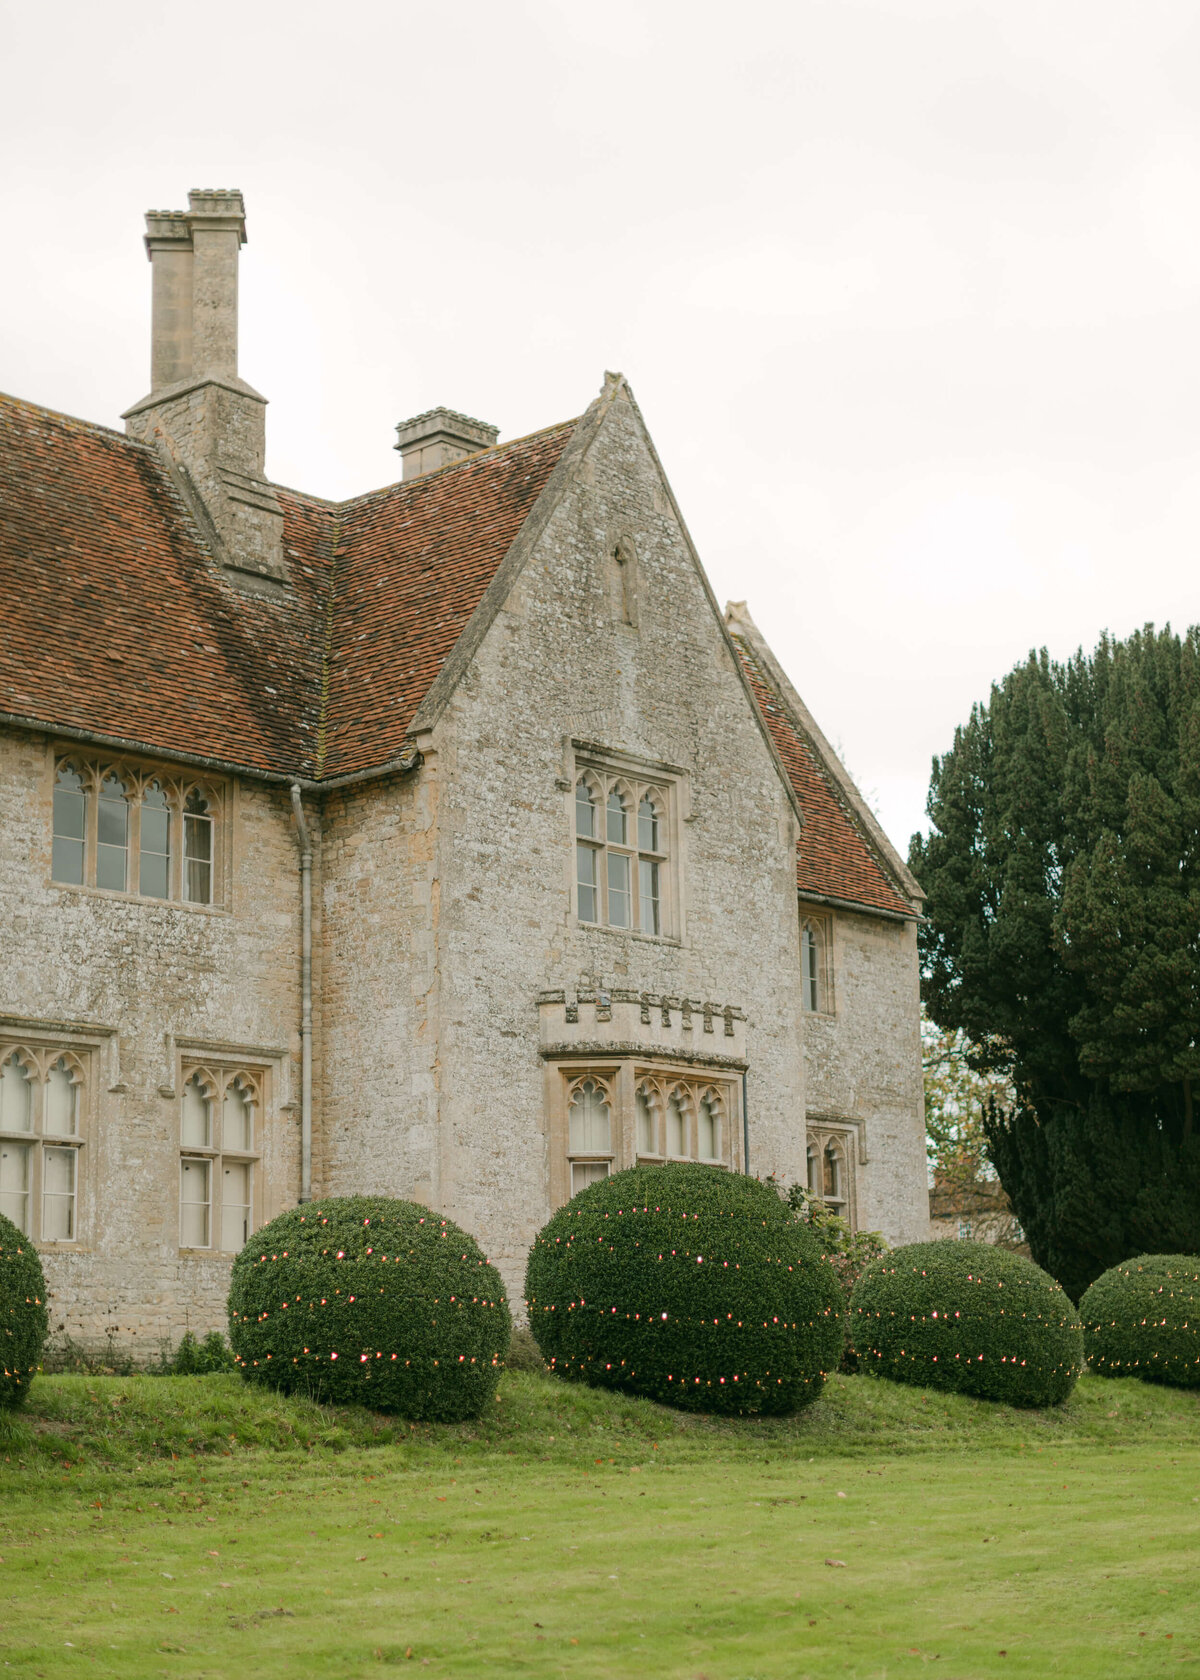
x=120, y=628
x=833, y=858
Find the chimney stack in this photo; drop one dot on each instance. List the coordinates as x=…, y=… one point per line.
x=207, y=423
x=439, y=436
x=169, y=247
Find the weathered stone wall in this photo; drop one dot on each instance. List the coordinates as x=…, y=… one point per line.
x=131, y=981
x=378, y=1067
x=558, y=663
x=863, y=1064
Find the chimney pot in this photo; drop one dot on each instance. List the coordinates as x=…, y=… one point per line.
x=437, y=437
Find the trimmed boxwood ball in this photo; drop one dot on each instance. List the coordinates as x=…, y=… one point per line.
x=23, y=1317
x=1142, y=1319
x=971, y=1317
x=371, y=1301
x=687, y=1284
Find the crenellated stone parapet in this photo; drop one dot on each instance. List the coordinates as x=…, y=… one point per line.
x=624, y=1022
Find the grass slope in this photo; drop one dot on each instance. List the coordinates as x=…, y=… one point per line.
x=197, y=1527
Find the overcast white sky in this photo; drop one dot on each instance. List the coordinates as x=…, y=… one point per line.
x=906, y=289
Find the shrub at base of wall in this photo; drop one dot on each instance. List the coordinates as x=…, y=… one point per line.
x=371, y=1301
x=690, y=1285
x=24, y=1320
x=971, y=1317
x=1142, y=1319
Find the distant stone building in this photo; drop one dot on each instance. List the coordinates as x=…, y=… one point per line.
x=975, y=1210
x=447, y=842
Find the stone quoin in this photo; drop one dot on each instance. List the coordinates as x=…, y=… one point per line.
x=446, y=843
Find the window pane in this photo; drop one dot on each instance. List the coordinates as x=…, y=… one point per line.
x=66, y=861
x=193, y=1203
x=197, y=1111
x=810, y=970
x=585, y=865
x=585, y=811
x=812, y=1171
x=70, y=819
x=584, y=1173
x=235, y=1206
x=647, y=827
x=16, y=1098
x=833, y=1173
x=112, y=851
x=62, y=1096
x=198, y=849
x=590, y=1121
x=235, y=1117
x=647, y=1128
x=14, y=1184
x=708, y=1131
x=677, y=1127
x=648, y=908
x=617, y=820
x=58, y=1195
x=154, y=863
x=620, y=904
x=69, y=804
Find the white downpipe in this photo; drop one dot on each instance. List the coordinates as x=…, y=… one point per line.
x=305, y=997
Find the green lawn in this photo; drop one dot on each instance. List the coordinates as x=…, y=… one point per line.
x=196, y=1527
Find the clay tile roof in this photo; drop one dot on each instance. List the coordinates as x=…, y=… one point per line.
x=412, y=563
x=116, y=622
x=833, y=858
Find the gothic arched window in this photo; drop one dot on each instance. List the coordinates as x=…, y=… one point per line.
x=589, y=1138
x=69, y=845
x=678, y=1141
x=812, y=965
x=154, y=844
x=218, y=1158
x=40, y=1141
x=621, y=859
x=197, y=849
x=112, y=835
x=708, y=1128
x=647, y=1122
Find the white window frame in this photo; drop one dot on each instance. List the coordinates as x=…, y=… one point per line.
x=140, y=778
x=40, y=1061
x=216, y=1080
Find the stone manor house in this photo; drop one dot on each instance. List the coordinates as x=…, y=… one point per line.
x=448, y=842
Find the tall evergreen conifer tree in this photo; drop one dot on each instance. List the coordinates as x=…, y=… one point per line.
x=1063, y=936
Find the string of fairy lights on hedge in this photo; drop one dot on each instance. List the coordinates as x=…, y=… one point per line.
x=397, y=1259
x=655, y=1318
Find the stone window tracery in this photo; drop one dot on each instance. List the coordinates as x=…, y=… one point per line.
x=830, y=1158
x=219, y=1150
x=42, y=1095
x=131, y=828
x=589, y=1137
x=621, y=855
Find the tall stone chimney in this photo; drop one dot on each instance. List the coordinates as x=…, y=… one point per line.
x=439, y=436
x=208, y=424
